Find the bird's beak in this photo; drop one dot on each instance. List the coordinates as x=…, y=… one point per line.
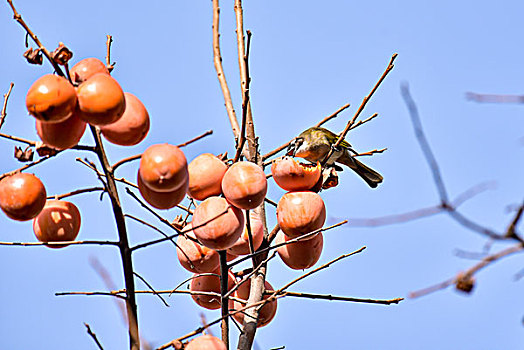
x=291, y=149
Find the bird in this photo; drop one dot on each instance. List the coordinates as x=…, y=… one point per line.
x=314, y=144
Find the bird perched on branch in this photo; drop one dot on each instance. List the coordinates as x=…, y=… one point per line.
x=314, y=145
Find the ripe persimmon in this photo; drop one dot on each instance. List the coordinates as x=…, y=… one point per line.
x=133, y=125
x=209, y=283
x=162, y=200
x=58, y=221
x=101, y=100
x=206, y=342
x=291, y=175
x=302, y=254
x=266, y=312
x=300, y=212
x=217, y=224
x=61, y=135
x=193, y=256
x=241, y=246
x=205, y=176
x=22, y=196
x=86, y=68
x=244, y=185
x=51, y=99
x=163, y=168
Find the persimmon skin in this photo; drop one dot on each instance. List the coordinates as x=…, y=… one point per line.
x=162, y=200
x=205, y=176
x=217, y=224
x=101, y=100
x=193, y=256
x=244, y=185
x=300, y=212
x=302, y=254
x=266, y=313
x=61, y=135
x=86, y=68
x=291, y=175
x=163, y=168
x=209, y=283
x=22, y=196
x=133, y=125
x=58, y=221
x=206, y=342
x=241, y=246
x=51, y=99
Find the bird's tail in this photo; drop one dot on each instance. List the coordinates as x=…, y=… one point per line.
x=369, y=175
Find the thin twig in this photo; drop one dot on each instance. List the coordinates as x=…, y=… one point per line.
x=468, y=274
x=341, y=298
x=3, y=114
x=33, y=36
x=93, y=336
x=217, y=59
x=224, y=301
x=75, y=192
x=110, y=66
x=58, y=243
x=138, y=156
x=151, y=287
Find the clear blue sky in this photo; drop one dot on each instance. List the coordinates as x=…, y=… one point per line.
x=306, y=61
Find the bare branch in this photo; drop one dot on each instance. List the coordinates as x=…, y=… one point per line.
x=110, y=66
x=340, y=298
x=152, y=289
x=93, y=336
x=3, y=114
x=217, y=59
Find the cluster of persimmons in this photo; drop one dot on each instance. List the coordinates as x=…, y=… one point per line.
x=225, y=192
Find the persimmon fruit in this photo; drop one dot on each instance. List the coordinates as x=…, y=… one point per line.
x=206, y=342
x=241, y=246
x=209, y=283
x=291, y=175
x=163, y=168
x=205, y=176
x=302, y=254
x=61, y=135
x=58, y=221
x=244, y=185
x=266, y=313
x=22, y=196
x=133, y=125
x=217, y=224
x=86, y=68
x=51, y=99
x=193, y=256
x=300, y=212
x=162, y=200
x=101, y=100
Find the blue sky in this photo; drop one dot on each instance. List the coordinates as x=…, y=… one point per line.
x=306, y=61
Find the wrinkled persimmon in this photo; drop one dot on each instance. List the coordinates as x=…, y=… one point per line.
x=61, y=135
x=101, y=100
x=51, y=99
x=163, y=168
x=244, y=185
x=302, y=254
x=133, y=125
x=193, y=256
x=162, y=200
x=266, y=313
x=300, y=212
x=58, y=221
x=217, y=224
x=206, y=342
x=291, y=175
x=86, y=68
x=22, y=196
x=205, y=176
